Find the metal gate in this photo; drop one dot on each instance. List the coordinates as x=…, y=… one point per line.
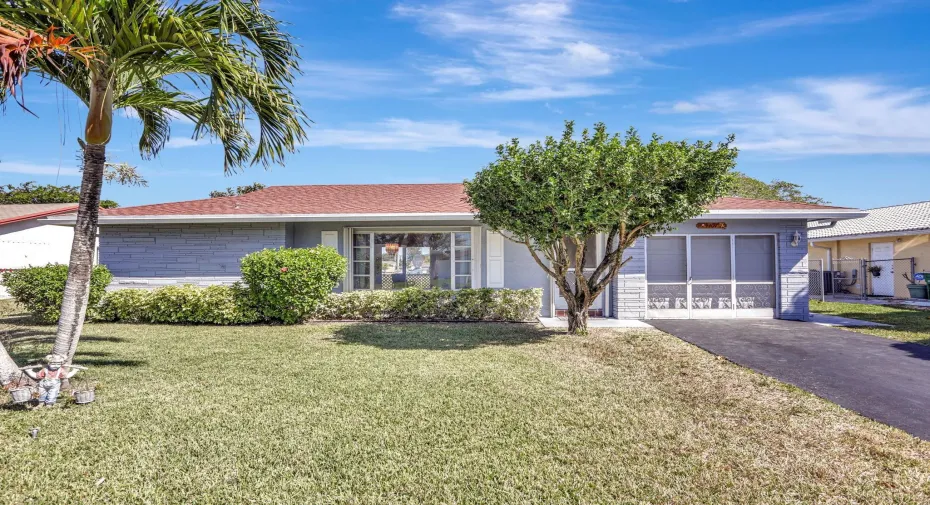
x=815, y=277
x=886, y=278
x=846, y=279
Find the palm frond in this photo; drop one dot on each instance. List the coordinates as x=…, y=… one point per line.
x=223, y=64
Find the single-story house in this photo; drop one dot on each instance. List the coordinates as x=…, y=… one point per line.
x=886, y=236
x=743, y=258
x=26, y=240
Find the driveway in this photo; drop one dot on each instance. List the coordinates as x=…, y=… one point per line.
x=882, y=379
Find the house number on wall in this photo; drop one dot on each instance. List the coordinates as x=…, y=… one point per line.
x=712, y=226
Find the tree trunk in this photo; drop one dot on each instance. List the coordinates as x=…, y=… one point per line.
x=8, y=367
x=77, y=287
x=578, y=321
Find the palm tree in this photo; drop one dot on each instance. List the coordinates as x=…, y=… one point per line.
x=226, y=65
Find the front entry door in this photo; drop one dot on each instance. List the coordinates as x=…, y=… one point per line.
x=883, y=256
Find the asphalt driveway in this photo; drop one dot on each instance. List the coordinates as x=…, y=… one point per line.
x=882, y=379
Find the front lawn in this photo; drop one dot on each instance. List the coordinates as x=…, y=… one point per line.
x=437, y=413
x=910, y=325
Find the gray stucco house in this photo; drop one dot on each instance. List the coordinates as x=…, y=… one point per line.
x=743, y=258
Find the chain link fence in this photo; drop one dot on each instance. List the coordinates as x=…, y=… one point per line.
x=815, y=280
x=854, y=278
x=886, y=278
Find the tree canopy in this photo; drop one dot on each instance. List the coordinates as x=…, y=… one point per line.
x=240, y=190
x=553, y=195
x=748, y=187
x=30, y=192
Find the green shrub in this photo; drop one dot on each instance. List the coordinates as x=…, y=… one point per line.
x=41, y=289
x=186, y=304
x=433, y=304
x=126, y=305
x=288, y=284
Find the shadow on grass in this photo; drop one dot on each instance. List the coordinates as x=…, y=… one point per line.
x=440, y=336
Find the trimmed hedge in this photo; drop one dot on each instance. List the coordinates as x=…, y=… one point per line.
x=42, y=289
x=223, y=305
x=287, y=284
x=227, y=305
x=434, y=304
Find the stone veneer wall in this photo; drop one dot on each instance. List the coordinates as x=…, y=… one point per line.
x=201, y=254
x=629, y=295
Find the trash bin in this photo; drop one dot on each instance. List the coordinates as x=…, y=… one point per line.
x=918, y=290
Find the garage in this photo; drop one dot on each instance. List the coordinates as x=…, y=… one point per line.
x=711, y=276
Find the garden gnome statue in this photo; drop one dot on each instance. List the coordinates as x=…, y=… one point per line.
x=50, y=377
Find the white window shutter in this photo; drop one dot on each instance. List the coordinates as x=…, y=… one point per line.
x=476, y=269
x=495, y=260
x=331, y=239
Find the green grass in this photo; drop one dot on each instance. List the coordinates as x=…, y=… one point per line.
x=436, y=413
x=910, y=325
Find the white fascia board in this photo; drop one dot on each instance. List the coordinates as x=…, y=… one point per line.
x=884, y=234
x=810, y=215
x=271, y=218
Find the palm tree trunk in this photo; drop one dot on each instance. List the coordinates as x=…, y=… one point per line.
x=77, y=287
x=8, y=367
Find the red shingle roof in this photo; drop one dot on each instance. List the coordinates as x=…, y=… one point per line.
x=323, y=199
x=14, y=213
x=733, y=203
x=368, y=199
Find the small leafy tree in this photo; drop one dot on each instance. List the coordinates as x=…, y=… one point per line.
x=749, y=187
x=551, y=196
x=239, y=191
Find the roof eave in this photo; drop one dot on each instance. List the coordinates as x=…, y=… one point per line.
x=39, y=215
x=806, y=214
x=271, y=218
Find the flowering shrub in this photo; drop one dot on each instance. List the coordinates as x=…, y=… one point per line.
x=287, y=284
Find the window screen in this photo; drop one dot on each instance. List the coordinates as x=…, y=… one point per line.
x=666, y=259
x=710, y=259
x=755, y=259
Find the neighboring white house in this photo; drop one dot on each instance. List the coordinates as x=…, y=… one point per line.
x=27, y=241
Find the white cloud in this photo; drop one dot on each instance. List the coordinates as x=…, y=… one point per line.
x=406, y=135
x=23, y=167
x=182, y=142
x=530, y=50
x=570, y=90
x=457, y=75
x=343, y=80
x=820, y=116
x=854, y=12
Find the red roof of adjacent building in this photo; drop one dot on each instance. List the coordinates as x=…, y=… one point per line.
x=368, y=199
x=14, y=213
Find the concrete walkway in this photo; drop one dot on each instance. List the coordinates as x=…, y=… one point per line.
x=555, y=322
x=882, y=379
x=845, y=322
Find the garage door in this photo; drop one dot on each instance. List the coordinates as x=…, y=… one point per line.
x=710, y=276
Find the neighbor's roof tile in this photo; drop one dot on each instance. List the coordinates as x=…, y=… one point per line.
x=910, y=217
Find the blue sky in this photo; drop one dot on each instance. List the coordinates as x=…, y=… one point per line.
x=831, y=95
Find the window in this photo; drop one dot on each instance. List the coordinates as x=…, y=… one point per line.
x=590, y=255
x=400, y=260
